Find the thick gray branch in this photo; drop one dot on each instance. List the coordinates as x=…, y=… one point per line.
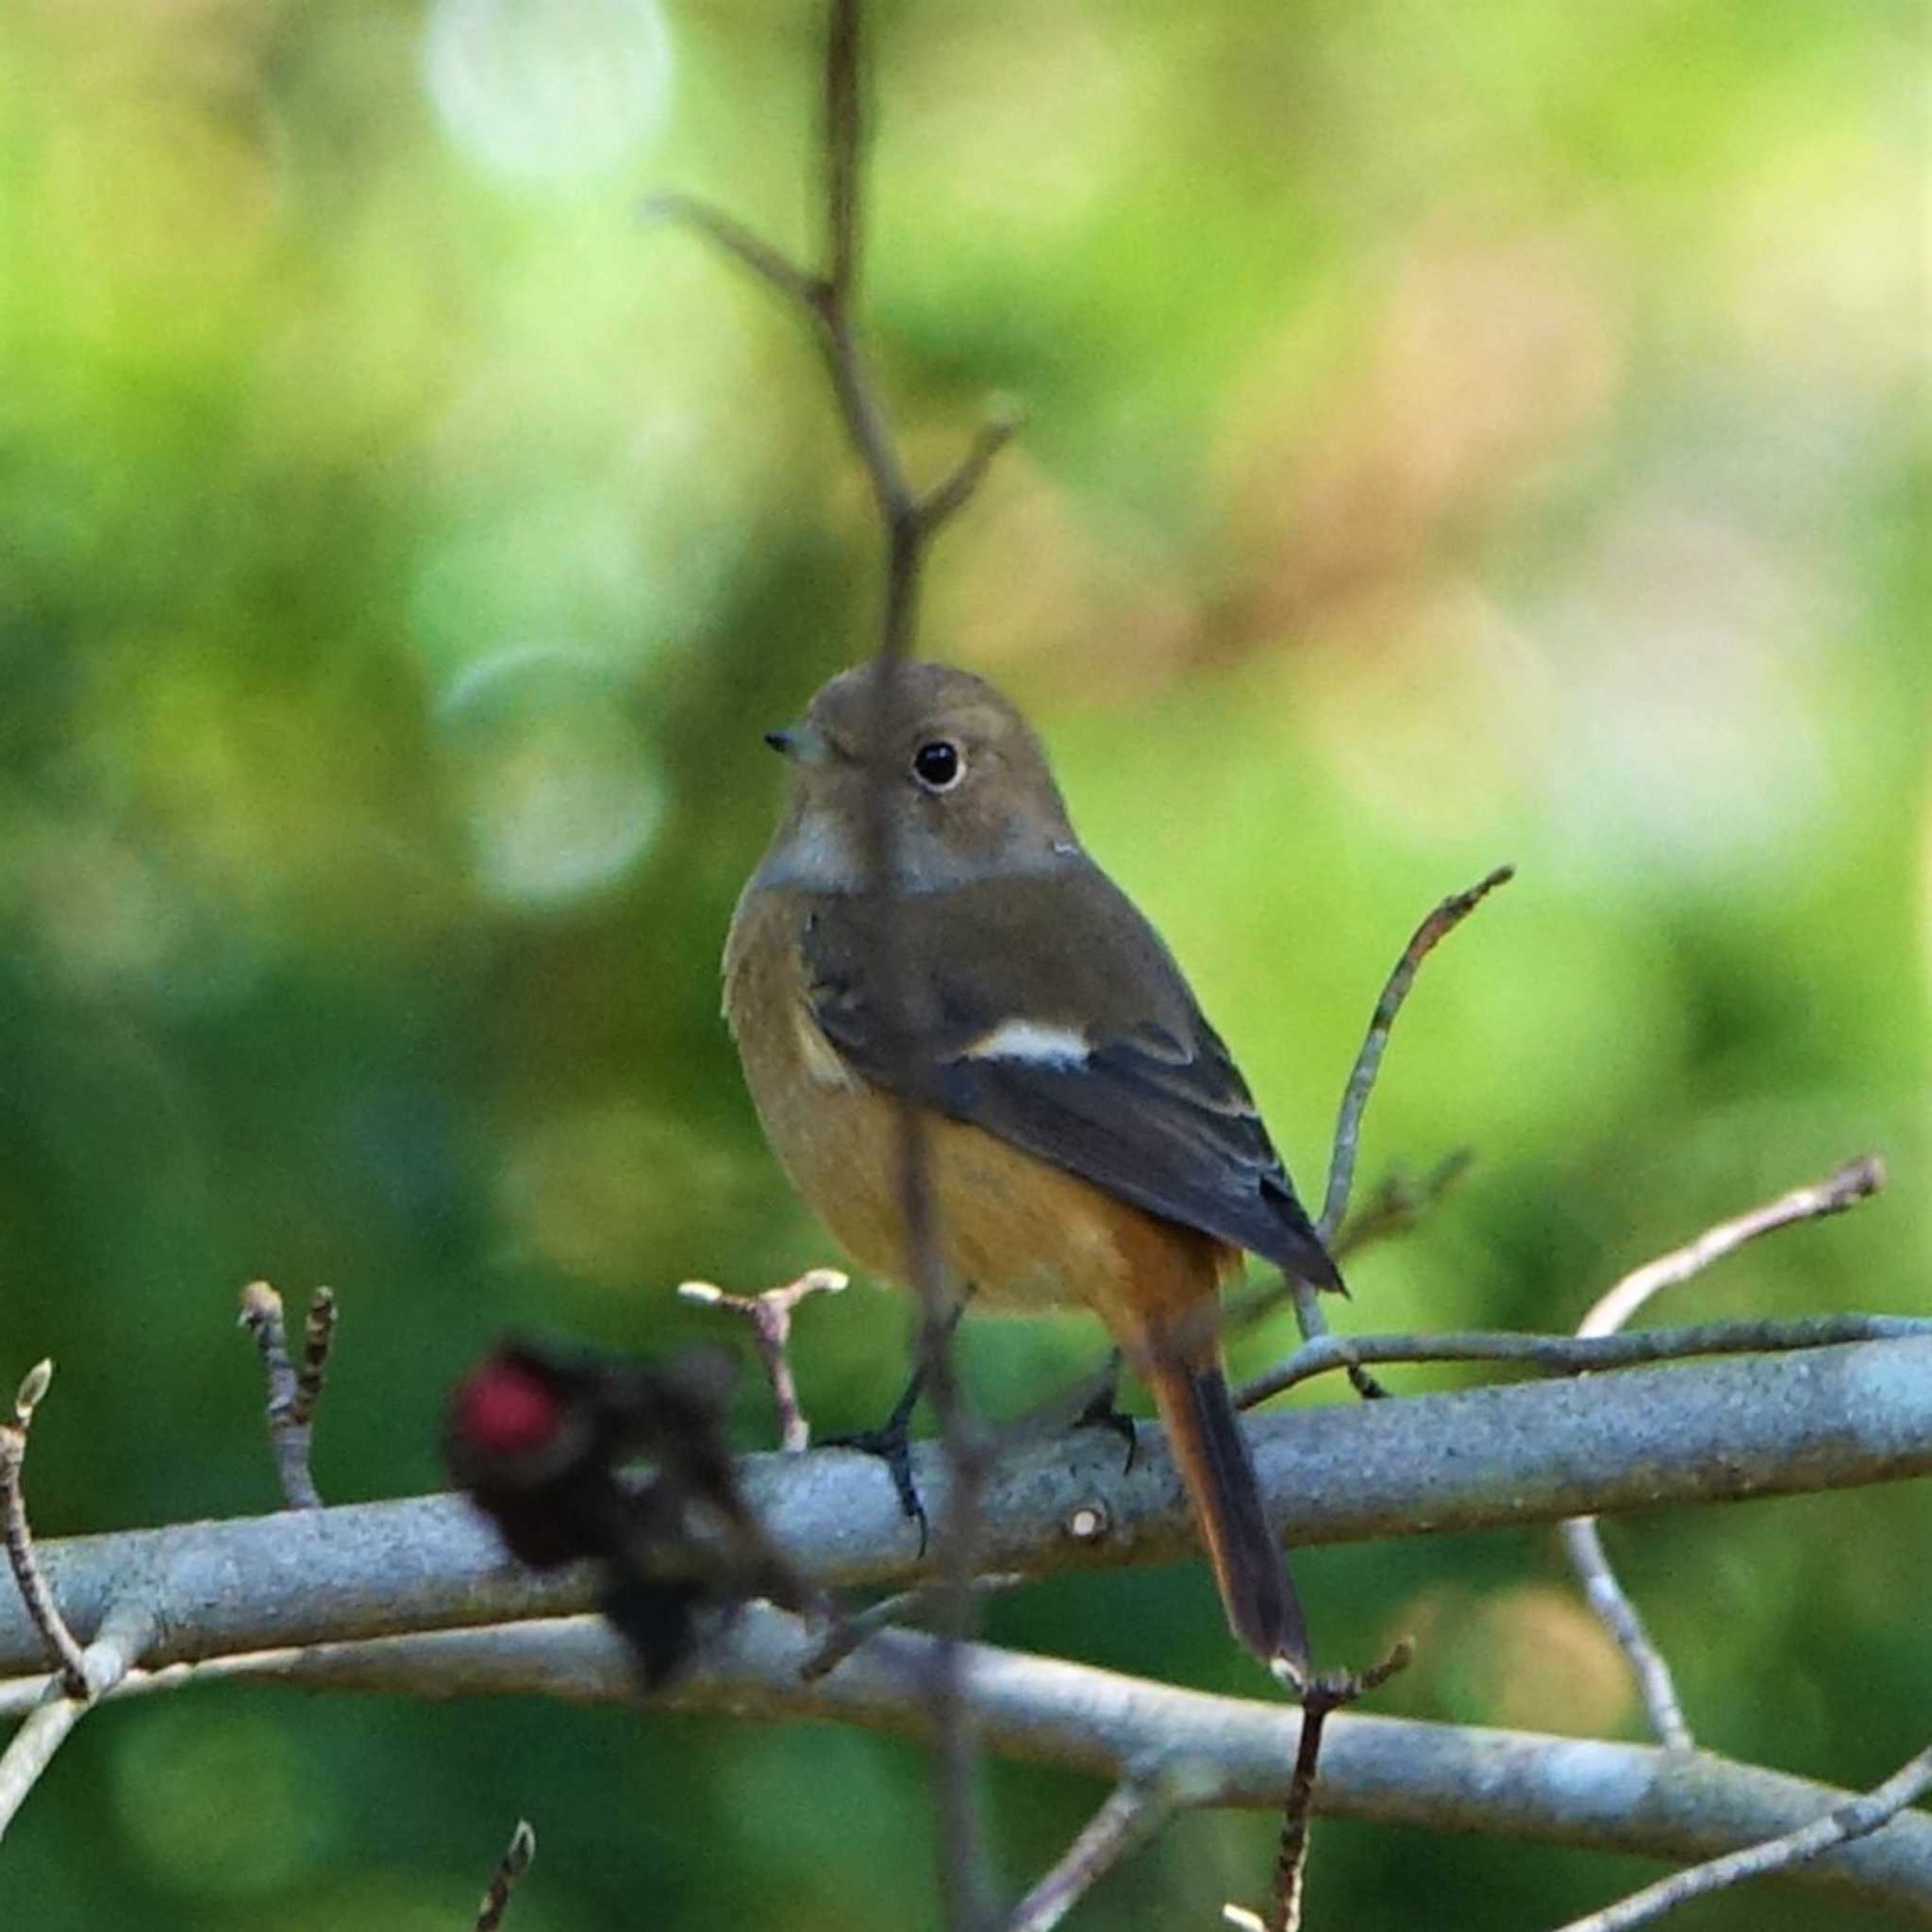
x=1676, y=1806
x=1715, y=1431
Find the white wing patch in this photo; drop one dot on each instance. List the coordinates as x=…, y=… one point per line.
x=1031, y=1040
x=823, y=1060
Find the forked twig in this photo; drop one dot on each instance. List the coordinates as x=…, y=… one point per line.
x=1321, y=1696
x=1844, y=1187
x=126, y=1631
x=1133, y=1811
x=293, y=1393
x=79, y=1675
x=770, y=1316
x=1856, y=1819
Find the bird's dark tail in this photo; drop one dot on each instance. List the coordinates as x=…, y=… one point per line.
x=1204, y=1433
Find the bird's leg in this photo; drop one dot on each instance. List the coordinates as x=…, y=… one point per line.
x=892, y=1442
x=1102, y=1409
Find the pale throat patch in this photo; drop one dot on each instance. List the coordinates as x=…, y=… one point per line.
x=1032, y=1040
x=821, y=854
x=817, y=855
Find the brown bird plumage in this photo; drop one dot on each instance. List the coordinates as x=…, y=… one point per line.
x=1090, y=1140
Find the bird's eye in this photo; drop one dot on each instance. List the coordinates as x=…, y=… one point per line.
x=938, y=765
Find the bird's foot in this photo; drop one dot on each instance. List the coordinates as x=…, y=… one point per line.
x=892, y=1443
x=1101, y=1411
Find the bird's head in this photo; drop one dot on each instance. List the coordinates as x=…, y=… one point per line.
x=966, y=786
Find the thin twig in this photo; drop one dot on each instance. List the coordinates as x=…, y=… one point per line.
x=289, y=1432
x=903, y=1606
x=951, y=494
x=1133, y=1811
x=745, y=248
x=828, y=298
x=1582, y=1540
x=1313, y=1322
x=845, y=143
x=1574, y=1355
x=80, y=1675
x=126, y=1633
x=1854, y=1820
x=1398, y=1203
x=1395, y=1206
x=770, y=1315
x=515, y=1862
x=1355, y=1098
x=1846, y=1187
x=1618, y=1613
x=962, y=1864
x=318, y=1339
x=1321, y=1697
x=63, y=1650
x=1368, y=1062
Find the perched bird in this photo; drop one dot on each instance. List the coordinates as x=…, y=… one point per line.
x=1089, y=1141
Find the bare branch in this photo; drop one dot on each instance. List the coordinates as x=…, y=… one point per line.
x=1842, y=1824
x=1574, y=1355
x=950, y=496
x=1856, y=1181
x=1584, y=1545
x=1312, y=1320
x=903, y=1606
x=288, y=1415
x=1844, y=1187
x=830, y=299
x=1320, y=1698
x=1399, y=1203
x=56, y=1710
x=1309, y=1316
x=318, y=1339
x=962, y=1862
x=735, y=240
x=770, y=1315
x=56, y=1640
x=1583, y=1792
x=1368, y=1062
x=1530, y=1451
x=516, y=1860
x=80, y=1675
x=844, y=140
x=1135, y=1809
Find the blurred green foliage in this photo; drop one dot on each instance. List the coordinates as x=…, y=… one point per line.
x=1456, y=434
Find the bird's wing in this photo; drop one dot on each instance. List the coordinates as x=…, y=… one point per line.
x=1048, y=1011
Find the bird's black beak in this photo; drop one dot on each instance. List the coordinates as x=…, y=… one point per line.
x=803, y=743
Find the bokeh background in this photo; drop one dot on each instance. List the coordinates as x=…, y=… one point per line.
x=1457, y=434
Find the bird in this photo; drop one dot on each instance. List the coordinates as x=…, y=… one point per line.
x=1089, y=1141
